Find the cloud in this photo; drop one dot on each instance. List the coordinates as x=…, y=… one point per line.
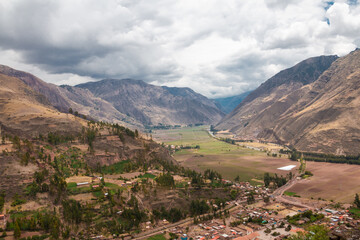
x=217, y=48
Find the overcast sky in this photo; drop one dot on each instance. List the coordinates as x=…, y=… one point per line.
x=216, y=47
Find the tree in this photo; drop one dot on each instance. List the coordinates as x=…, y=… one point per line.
x=17, y=231
x=357, y=201
x=165, y=180
x=250, y=198
x=70, y=111
x=288, y=228
x=267, y=179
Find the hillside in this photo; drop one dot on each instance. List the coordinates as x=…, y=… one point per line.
x=272, y=90
x=65, y=97
x=230, y=103
x=26, y=112
x=322, y=116
x=152, y=105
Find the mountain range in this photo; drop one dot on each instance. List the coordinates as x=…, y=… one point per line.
x=313, y=106
x=132, y=103
x=153, y=105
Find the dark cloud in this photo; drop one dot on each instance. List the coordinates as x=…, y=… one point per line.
x=217, y=48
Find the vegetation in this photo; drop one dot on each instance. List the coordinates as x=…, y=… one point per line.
x=322, y=157
x=166, y=180
x=198, y=207
x=308, y=216
x=157, y=237
x=276, y=180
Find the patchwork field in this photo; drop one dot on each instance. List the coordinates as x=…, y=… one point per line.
x=229, y=160
x=338, y=182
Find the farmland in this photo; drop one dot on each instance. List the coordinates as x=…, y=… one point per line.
x=229, y=160
x=337, y=182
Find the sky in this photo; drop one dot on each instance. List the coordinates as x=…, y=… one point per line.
x=218, y=48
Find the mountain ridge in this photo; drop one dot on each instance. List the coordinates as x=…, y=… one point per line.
x=321, y=116
x=152, y=104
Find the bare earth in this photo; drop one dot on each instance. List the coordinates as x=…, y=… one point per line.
x=338, y=182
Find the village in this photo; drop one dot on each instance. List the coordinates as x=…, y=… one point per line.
x=247, y=220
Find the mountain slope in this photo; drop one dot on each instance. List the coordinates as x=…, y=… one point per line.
x=320, y=117
x=26, y=112
x=152, y=105
x=271, y=91
x=230, y=103
x=80, y=100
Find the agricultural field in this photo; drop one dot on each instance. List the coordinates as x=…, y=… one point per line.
x=228, y=159
x=337, y=182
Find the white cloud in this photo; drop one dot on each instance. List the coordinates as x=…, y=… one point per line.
x=218, y=48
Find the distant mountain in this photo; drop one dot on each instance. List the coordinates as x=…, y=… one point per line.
x=321, y=116
x=230, y=103
x=271, y=91
x=152, y=105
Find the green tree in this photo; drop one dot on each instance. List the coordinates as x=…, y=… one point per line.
x=70, y=111
x=357, y=201
x=17, y=231
x=250, y=198
x=267, y=179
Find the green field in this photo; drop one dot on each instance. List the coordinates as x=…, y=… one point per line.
x=228, y=159
x=157, y=237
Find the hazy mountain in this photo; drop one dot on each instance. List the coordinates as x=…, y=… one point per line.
x=321, y=116
x=230, y=103
x=152, y=105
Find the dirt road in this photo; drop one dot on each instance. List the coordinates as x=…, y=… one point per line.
x=278, y=195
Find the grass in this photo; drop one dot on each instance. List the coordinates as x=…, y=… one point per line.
x=71, y=185
x=228, y=159
x=118, y=167
x=157, y=237
x=112, y=185
x=148, y=175
x=355, y=211
x=291, y=194
x=98, y=194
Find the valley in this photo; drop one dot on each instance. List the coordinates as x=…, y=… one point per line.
x=123, y=159
x=228, y=159
x=331, y=181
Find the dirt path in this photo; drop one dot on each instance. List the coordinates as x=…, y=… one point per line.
x=278, y=194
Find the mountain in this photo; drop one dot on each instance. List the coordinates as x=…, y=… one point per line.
x=271, y=91
x=322, y=116
x=153, y=105
x=230, y=103
x=65, y=97
x=26, y=112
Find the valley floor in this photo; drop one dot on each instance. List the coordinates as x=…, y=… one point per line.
x=336, y=182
